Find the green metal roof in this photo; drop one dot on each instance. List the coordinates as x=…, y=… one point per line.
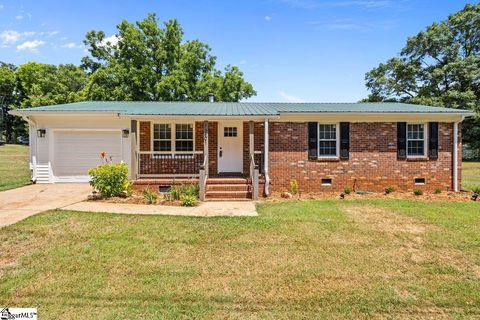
x=235, y=108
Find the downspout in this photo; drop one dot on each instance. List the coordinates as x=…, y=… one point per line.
x=33, y=159
x=455, y=155
x=265, y=165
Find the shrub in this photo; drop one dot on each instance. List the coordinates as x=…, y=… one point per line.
x=389, y=190
x=293, y=186
x=476, y=189
x=150, y=196
x=111, y=180
x=188, y=200
x=417, y=192
x=347, y=190
x=190, y=189
x=438, y=191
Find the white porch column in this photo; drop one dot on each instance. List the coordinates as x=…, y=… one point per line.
x=265, y=155
x=455, y=157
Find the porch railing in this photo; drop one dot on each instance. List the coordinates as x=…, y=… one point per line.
x=158, y=164
x=258, y=157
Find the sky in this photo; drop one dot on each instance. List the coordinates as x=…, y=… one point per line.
x=290, y=50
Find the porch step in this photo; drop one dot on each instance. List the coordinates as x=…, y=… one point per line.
x=43, y=173
x=228, y=195
x=227, y=181
x=228, y=187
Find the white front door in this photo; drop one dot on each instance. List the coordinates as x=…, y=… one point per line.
x=230, y=146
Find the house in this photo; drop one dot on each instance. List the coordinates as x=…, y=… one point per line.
x=246, y=150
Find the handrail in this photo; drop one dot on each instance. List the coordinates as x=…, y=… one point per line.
x=254, y=177
x=34, y=169
x=203, y=178
x=170, y=152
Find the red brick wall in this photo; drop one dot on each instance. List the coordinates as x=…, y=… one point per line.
x=257, y=142
x=145, y=136
x=373, y=160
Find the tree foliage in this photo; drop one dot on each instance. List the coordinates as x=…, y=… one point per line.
x=439, y=66
x=148, y=62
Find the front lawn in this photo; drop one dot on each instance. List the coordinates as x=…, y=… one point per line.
x=14, y=170
x=470, y=174
x=310, y=259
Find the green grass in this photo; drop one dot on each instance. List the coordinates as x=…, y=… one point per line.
x=14, y=171
x=311, y=259
x=470, y=174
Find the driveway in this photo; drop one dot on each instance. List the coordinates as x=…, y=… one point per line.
x=20, y=203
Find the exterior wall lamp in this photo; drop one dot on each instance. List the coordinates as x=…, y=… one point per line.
x=125, y=133
x=41, y=133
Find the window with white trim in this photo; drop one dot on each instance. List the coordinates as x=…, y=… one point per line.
x=164, y=141
x=327, y=140
x=184, y=137
x=415, y=139
x=162, y=137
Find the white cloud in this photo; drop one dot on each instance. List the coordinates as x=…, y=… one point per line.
x=19, y=17
x=242, y=62
x=1, y=6
x=63, y=38
x=113, y=39
x=12, y=36
x=30, y=45
x=71, y=45
x=313, y=4
x=268, y=18
x=290, y=98
x=52, y=33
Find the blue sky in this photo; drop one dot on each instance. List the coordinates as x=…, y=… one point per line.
x=290, y=50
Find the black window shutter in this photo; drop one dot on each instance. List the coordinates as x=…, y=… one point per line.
x=312, y=140
x=433, y=140
x=344, y=140
x=401, y=140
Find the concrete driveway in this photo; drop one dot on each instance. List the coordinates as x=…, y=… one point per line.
x=20, y=203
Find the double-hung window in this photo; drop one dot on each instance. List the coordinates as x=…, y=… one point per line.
x=415, y=139
x=180, y=141
x=327, y=140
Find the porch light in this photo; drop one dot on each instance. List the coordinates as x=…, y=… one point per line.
x=41, y=133
x=125, y=133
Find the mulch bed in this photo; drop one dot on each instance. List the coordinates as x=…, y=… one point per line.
x=137, y=198
x=427, y=196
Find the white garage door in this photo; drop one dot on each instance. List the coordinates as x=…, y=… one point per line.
x=75, y=152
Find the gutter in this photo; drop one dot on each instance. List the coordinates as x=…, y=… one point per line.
x=33, y=152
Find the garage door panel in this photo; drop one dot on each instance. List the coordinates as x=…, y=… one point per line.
x=76, y=152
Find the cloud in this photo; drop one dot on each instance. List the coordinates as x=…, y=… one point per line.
x=313, y=4
x=113, y=39
x=350, y=24
x=19, y=17
x=30, y=45
x=52, y=33
x=11, y=36
x=23, y=15
x=71, y=45
x=290, y=98
x=1, y=6
x=268, y=18
x=243, y=61
x=63, y=38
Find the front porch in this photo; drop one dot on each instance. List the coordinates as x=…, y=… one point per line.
x=182, y=151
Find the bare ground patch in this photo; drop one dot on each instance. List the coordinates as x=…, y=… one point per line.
x=410, y=236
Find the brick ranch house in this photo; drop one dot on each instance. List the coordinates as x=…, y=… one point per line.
x=246, y=150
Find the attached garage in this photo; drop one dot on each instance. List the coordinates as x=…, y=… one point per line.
x=76, y=151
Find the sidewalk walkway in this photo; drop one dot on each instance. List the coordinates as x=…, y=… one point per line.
x=205, y=209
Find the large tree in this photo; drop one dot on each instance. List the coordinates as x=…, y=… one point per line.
x=147, y=62
x=35, y=84
x=439, y=66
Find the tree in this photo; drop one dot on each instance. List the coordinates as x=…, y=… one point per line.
x=35, y=84
x=439, y=66
x=147, y=62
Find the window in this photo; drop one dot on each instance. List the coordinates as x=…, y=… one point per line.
x=230, y=131
x=162, y=137
x=415, y=139
x=183, y=137
x=164, y=141
x=327, y=140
